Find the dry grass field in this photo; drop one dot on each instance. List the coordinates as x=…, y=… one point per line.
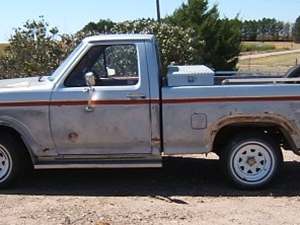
x=273, y=65
x=285, y=45
x=2, y=47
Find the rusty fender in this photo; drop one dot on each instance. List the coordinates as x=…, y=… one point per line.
x=288, y=127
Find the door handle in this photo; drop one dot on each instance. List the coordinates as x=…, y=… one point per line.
x=136, y=96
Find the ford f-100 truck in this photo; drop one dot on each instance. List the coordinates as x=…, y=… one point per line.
x=108, y=106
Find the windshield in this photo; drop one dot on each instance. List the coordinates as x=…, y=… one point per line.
x=65, y=63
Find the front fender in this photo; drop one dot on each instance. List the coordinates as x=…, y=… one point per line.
x=31, y=144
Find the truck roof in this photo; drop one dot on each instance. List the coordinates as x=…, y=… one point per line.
x=119, y=37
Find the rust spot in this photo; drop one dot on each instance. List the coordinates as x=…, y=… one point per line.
x=156, y=141
x=46, y=150
x=73, y=137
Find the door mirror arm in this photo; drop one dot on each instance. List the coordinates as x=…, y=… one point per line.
x=90, y=82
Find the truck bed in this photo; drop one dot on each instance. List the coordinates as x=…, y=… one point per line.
x=256, y=80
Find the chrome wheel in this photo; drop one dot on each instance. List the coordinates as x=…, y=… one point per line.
x=5, y=163
x=252, y=162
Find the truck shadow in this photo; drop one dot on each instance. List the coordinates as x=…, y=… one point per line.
x=179, y=177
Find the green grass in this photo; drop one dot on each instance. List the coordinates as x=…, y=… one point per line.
x=2, y=48
x=257, y=46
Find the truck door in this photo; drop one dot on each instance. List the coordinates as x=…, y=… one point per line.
x=113, y=116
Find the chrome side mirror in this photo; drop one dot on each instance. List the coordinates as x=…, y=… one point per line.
x=90, y=79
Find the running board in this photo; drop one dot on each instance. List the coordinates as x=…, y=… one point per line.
x=105, y=164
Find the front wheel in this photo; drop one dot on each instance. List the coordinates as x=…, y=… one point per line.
x=13, y=159
x=6, y=164
x=252, y=161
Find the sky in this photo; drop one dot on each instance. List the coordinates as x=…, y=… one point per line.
x=71, y=15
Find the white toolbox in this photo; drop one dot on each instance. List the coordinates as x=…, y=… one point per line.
x=190, y=76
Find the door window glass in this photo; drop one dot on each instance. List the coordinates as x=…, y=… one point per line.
x=112, y=65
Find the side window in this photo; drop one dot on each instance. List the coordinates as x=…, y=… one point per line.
x=112, y=65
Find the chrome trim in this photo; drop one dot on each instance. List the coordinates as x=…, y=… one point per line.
x=97, y=166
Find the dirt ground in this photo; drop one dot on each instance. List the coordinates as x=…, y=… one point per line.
x=186, y=191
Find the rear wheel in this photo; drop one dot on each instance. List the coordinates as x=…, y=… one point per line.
x=252, y=161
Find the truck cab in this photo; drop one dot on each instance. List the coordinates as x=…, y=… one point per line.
x=118, y=97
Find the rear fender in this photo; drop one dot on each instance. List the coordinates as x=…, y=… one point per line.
x=287, y=127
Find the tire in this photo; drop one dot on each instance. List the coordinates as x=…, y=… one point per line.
x=13, y=160
x=252, y=161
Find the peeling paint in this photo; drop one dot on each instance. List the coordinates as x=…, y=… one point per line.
x=289, y=127
x=73, y=137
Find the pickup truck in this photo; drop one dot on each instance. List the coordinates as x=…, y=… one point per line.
x=108, y=106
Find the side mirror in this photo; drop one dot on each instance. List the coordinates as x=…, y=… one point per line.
x=90, y=79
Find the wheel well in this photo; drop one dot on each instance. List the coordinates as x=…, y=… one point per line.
x=226, y=133
x=17, y=135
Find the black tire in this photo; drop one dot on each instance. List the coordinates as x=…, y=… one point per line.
x=252, y=161
x=14, y=160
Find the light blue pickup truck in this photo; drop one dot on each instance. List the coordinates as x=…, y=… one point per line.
x=107, y=106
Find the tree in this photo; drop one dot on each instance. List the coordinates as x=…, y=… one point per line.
x=216, y=41
x=102, y=27
x=297, y=30
x=175, y=42
x=265, y=30
x=37, y=49
x=34, y=49
x=286, y=33
x=249, y=30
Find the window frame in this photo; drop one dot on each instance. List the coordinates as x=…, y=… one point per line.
x=87, y=50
